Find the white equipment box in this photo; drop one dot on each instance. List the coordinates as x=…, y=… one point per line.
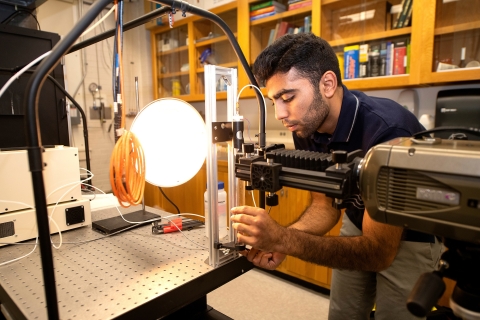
x=61, y=176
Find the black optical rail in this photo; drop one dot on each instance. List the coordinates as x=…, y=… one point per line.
x=337, y=180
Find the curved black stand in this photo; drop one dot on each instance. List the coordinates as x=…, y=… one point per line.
x=35, y=150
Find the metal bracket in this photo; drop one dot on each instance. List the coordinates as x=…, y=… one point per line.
x=221, y=132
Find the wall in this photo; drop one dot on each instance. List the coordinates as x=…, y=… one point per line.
x=94, y=65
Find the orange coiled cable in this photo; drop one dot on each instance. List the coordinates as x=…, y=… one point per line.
x=127, y=170
x=127, y=163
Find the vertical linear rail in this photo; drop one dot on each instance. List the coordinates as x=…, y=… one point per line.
x=212, y=75
x=212, y=174
x=233, y=182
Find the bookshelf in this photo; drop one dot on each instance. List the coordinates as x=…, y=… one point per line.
x=438, y=33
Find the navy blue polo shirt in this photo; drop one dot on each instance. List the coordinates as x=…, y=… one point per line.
x=363, y=122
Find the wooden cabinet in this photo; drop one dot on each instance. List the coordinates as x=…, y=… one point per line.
x=437, y=33
x=453, y=32
x=179, y=54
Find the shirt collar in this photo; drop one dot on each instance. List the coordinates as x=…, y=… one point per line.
x=346, y=120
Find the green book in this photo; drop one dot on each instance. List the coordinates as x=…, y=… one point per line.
x=267, y=4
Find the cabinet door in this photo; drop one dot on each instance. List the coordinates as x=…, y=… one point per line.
x=455, y=39
x=171, y=62
x=292, y=203
x=211, y=46
x=373, y=41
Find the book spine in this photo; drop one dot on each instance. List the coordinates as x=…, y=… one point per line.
x=374, y=61
x=262, y=11
x=299, y=5
x=271, y=37
x=351, y=56
x=307, y=24
x=400, y=53
x=408, y=17
x=268, y=4
x=403, y=15
x=264, y=15
x=383, y=59
x=363, y=60
x=390, y=47
x=408, y=57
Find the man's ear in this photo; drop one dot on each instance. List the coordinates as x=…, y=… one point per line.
x=328, y=84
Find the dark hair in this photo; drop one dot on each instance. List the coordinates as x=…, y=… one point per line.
x=310, y=55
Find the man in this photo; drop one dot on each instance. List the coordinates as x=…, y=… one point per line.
x=374, y=264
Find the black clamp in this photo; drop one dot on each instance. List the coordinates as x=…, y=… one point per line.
x=230, y=245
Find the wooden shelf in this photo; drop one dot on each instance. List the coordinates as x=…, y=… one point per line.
x=173, y=74
x=281, y=15
x=372, y=36
x=176, y=50
x=458, y=28
x=212, y=41
x=374, y=83
x=464, y=74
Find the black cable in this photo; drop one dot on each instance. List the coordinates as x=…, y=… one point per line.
x=16, y=13
x=161, y=190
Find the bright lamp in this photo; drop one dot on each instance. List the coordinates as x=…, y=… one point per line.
x=174, y=140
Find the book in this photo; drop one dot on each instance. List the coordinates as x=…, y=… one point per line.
x=408, y=17
x=294, y=1
x=363, y=60
x=282, y=29
x=403, y=14
x=374, y=61
x=397, y=15
x=383, y=58
x=351, y=64
x=389, y=66
x=300, y=4
x=265, y=10
x=271, y=37
x=400, y=57
x=408, y=57
x=267, y=4
x=307, y=24
x=263, y=15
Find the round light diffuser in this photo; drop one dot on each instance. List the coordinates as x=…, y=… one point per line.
x=174, y=140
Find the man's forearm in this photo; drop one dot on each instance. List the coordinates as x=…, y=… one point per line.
x=318, y=218
x=351, y=253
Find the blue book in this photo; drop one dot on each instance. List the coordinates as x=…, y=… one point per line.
x=263, y=15
x=352, y=61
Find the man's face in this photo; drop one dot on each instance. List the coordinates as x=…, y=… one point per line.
x=298, y=105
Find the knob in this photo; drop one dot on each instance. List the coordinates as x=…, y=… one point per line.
x=248, y=148
x=339, y=156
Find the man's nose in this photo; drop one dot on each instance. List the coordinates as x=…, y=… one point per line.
x=280, y=112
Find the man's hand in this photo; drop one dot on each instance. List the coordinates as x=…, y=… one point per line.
x=262, y=259
x=256, y=228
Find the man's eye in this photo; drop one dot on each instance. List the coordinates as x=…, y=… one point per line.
x=288, y=99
